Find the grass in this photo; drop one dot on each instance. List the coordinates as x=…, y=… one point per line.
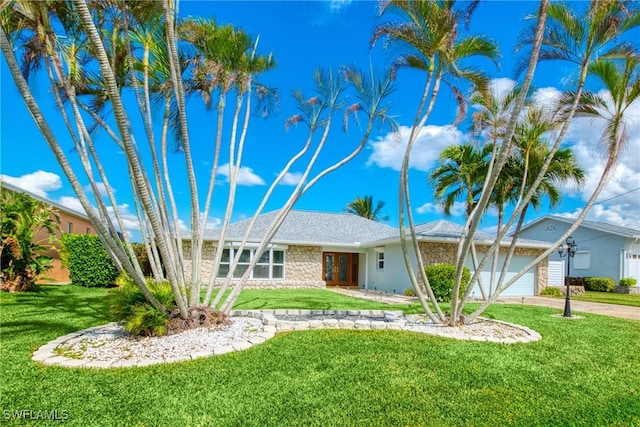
x=609, y=298
x=583, y=372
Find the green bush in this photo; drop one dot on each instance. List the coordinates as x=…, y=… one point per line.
x=88, y=262
x=599, y=284
x=129, y=305
x=143, y=258
x=628, y=281
x=552, y=292
x=441, y=278
x=410, y=292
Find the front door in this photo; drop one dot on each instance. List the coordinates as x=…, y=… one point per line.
x=340, y=269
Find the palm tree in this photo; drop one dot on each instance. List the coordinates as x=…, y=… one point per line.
x=581, y=39
x=532, y=151
x=460, y=175
x=364, y=207
x=23, y=259
x=431, y=31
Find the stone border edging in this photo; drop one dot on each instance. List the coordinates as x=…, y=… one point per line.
x=393, y=320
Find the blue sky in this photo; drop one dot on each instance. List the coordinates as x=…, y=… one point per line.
x=305, y=36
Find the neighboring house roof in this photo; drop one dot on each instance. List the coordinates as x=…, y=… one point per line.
x=595, y=225
x=11, y=187
x=446, y=231
x=307, y=227
x=347, y=230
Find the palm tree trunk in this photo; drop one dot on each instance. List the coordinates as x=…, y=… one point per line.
x=402, y=200
x=121, y=120
x=196, y=235
x=502, y=156
x=51, y=140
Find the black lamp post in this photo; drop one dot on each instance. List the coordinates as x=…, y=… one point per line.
x=568, y=250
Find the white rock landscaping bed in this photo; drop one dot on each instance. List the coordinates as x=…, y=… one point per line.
x=109, y=346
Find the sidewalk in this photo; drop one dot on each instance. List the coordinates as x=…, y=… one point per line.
x=622, y=311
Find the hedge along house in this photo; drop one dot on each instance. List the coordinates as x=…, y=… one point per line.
x=604, y=250
x=71, y=222
x=317, y=250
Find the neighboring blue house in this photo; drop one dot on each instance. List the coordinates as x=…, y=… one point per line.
x=604, y=250
x=319, y=249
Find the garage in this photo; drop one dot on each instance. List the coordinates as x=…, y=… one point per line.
x=524, y=286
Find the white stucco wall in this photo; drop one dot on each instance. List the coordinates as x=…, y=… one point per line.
x=394, y=277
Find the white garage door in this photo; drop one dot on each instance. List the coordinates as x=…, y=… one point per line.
x=524, y=286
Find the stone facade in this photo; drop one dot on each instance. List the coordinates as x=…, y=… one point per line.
x=445, y=253
x=302, y=267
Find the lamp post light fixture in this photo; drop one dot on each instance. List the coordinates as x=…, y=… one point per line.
x=568, y=250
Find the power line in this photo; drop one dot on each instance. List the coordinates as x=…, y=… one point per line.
x=615, y=197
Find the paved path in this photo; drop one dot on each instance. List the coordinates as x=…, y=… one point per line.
x=614, y=310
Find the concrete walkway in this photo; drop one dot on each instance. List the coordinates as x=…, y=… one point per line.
x=622, y=311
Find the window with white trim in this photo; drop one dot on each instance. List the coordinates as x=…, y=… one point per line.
x=380, y=260
x=582, y=260
x=269, y=266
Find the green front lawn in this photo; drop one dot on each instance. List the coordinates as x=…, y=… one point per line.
x=583, y=372
x=609, y=298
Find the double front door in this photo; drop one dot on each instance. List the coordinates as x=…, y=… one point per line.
x=340, y=269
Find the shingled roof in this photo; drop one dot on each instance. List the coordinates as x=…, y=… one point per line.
x=347, y=230
x=447, y=231
x=308, y=227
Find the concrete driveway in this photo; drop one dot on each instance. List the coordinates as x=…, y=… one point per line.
x=623, y=311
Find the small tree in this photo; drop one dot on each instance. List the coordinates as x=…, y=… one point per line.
x=364, y=207
x=23, y=258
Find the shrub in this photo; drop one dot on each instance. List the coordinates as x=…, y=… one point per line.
x=88, y=262
x=143, y=258
x=600, y=284
x=441, y=278
x=628, y=281
x=146, y=320
x=552, y=292
x=410, y=292
x=22, y=250
x=129, y=305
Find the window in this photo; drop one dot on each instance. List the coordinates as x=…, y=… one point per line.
x=380, y=260
x=269, y=266
x=88, y=230
x=69, y=227
x=582, y=260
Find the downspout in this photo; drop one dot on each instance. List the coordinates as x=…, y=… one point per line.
x=622, y=264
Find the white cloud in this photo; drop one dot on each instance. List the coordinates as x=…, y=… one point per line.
x=388, y=150
x=457, y=210
x=546, y=96
x=621, y=203
x=291, y=178
x=501, y=86
x=38, y=182
x=129, y=219
x=246, y=176
x=72, y=203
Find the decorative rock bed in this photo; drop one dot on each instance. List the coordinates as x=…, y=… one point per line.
x=109, y=346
